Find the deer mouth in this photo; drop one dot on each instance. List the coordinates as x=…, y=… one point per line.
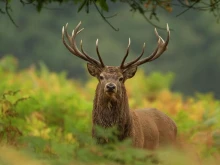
x=110, y=92
x=110, y=95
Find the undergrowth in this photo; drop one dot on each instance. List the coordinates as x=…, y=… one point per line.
x=45, y=118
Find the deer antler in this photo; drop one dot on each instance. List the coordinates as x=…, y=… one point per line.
x=72, y=47
x=161, y=47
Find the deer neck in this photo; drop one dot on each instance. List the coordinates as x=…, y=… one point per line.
x=111, y=111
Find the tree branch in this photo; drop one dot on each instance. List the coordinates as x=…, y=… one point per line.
x=104, y=18
x=7, y=8
x=136, y=6
x=111, y=16
x=189, y=7
x=202, y=8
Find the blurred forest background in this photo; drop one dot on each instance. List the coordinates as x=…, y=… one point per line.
x=46, y=95
x=192, y=56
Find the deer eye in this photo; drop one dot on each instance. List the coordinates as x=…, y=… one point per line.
x=101, y=77
x=121, y=79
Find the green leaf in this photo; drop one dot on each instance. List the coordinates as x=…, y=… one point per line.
x=39, y=6
x=103, y=5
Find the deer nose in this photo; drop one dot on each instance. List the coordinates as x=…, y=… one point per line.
x=110, y=87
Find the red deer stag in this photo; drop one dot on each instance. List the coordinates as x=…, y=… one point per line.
x=147, y=128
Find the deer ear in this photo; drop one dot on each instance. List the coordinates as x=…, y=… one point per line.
x=93, y=70
x=130, y=72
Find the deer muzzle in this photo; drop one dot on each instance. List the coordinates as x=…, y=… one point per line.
x=110, y=88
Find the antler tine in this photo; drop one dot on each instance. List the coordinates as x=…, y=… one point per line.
x=164, y=44
x=126, y=55
x=97, y=51
x=72, y=47
x=72, y=41
x=134, y=61
x=161, y=47
x=149, y=58
x=77, y=31
x=90, y=58
x=64, y=32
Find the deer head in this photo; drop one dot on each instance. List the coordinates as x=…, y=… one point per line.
x=112, y=78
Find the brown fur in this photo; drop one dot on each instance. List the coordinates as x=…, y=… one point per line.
x=148, y=128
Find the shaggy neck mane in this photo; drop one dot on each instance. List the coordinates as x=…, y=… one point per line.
x=112, y=111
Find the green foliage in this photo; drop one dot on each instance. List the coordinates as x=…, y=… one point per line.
x=47, y=118
x=8, y=60
x=143, y=6
x=156, y=81
x=103, y=5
